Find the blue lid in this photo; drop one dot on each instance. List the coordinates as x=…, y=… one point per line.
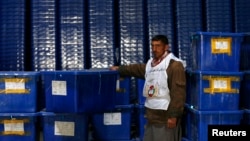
x=59, y=72
x=82, y=72
x=124, y=106
x=18, y=114
x=192, y=109
x=97, y=71
x=139, y=106
x=219, y=33
x=215, y=72
x=19, y=73
x=44, y=113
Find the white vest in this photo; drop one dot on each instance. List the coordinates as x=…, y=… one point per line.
x=156, y=88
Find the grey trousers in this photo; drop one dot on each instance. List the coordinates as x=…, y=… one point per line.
x=159, y=132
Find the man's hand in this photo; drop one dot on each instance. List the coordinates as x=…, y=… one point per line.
x=171, y=123
x=114, y=68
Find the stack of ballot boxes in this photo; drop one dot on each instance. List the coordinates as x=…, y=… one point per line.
x=19, y=105
x=116, y=124
x=140, y=119
x=213, y=83
x=71, y=98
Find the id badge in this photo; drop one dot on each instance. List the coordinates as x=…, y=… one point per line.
x=151, y=91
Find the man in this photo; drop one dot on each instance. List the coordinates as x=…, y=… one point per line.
x=164, y=89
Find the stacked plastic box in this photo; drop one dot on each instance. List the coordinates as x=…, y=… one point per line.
x=200, y=120
x=133, y=34
x=116, y=124
x=188, y=20
x=241, y=14
x=140, y=121
x=19, y=105
x=160, y=20
x=140, y=109
x=72, y=34
x=132, y=31
x=43, y=35
x=214, y=81
x=64, y=23
x=101, y=26
x=64, y=126
x=71, y=97
x=12, y=37
x=113, y=124
x=219, y=15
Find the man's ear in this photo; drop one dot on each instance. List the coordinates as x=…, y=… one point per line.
x=166, y=47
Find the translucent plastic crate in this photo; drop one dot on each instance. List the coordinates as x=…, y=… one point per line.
x=139, y=85
x=19, y=91
x=140, y=120
x=188, y=87
x=79, y=91
x=216, y=51
x=113, y=125
x=214, y=90
x=18, y=126
x=64, y=126
x=201, y=120
x=241, y=12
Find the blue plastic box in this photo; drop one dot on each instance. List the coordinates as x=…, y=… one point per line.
x=216, y=51
x=201, y=120
x=18, y=126
x=244, y=90
x=140, y=84
x=188, y=86
x=18, y=91
x=123, y=91
x=214, y=90
x=113, y=125
x=84, y=91
x=140, y=120
x=64, y=126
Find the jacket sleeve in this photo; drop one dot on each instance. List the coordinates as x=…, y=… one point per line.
x=177, y=87
x=133, y=70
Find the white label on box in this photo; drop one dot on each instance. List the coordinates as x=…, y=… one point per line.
x=221, y=45
x=112, y=119
x=117, y=84
x=15, y=85
x=220, y=84
x=59, y=88
x=64, y=128
x=14, y=127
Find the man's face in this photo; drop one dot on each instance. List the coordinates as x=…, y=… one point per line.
x=158, y=49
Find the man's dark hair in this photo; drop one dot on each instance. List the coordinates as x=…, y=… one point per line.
x=161, y=38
